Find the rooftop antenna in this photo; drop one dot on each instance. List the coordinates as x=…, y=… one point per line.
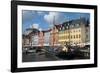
x=54, y=21
x=80, y=16
x=69, y=30
x=53, y=31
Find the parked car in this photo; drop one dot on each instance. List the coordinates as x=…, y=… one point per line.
x=31, y=50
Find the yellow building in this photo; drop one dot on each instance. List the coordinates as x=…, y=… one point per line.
x=73, y=32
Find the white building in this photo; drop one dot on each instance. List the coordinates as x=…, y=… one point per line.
x=35, y=40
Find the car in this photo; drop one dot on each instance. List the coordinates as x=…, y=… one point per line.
x=31, y=50
x=41, y=53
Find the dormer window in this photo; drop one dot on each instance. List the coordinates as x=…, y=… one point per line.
x=63, y=27
x=67, y=27
x=77, y=25
x=60, y=28
x=68, y=24
x=72, y=26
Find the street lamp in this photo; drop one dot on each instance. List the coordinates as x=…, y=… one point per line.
x=53, y=33
x=69, y=31
x=41, y=37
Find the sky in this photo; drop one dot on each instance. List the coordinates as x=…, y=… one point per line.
x=44, y=20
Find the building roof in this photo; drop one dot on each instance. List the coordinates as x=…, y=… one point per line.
x=46, y=30
x=31, y=31
x=76, y=23
x=73, y=24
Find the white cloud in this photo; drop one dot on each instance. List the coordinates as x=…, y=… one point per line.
x=25, y=12
x=40, y=12
x=28, y=15
x=40, y=29
x=35, y=26
x=53, y=17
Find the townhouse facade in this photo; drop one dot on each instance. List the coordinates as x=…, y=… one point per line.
x=74, y=32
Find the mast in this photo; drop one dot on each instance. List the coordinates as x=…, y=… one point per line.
x=53, y=31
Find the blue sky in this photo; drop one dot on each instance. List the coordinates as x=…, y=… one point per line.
x=45, y=19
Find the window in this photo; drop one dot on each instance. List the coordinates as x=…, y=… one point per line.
x=65, y=37
x=72, y=26
x=79, y=30
x=86, y=30
x=86, y=36
x=79, y=35
x=68, y=36
x=71, y=37
x=77, y=25
x=65, y=32
x=67, y=27
x=76, y=36
x=62, y=37
x=62, y=32
x=59, y=37
x=60, y=28
x=63, y=27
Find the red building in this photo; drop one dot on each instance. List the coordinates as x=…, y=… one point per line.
x=41, y=38
x=54, y=36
